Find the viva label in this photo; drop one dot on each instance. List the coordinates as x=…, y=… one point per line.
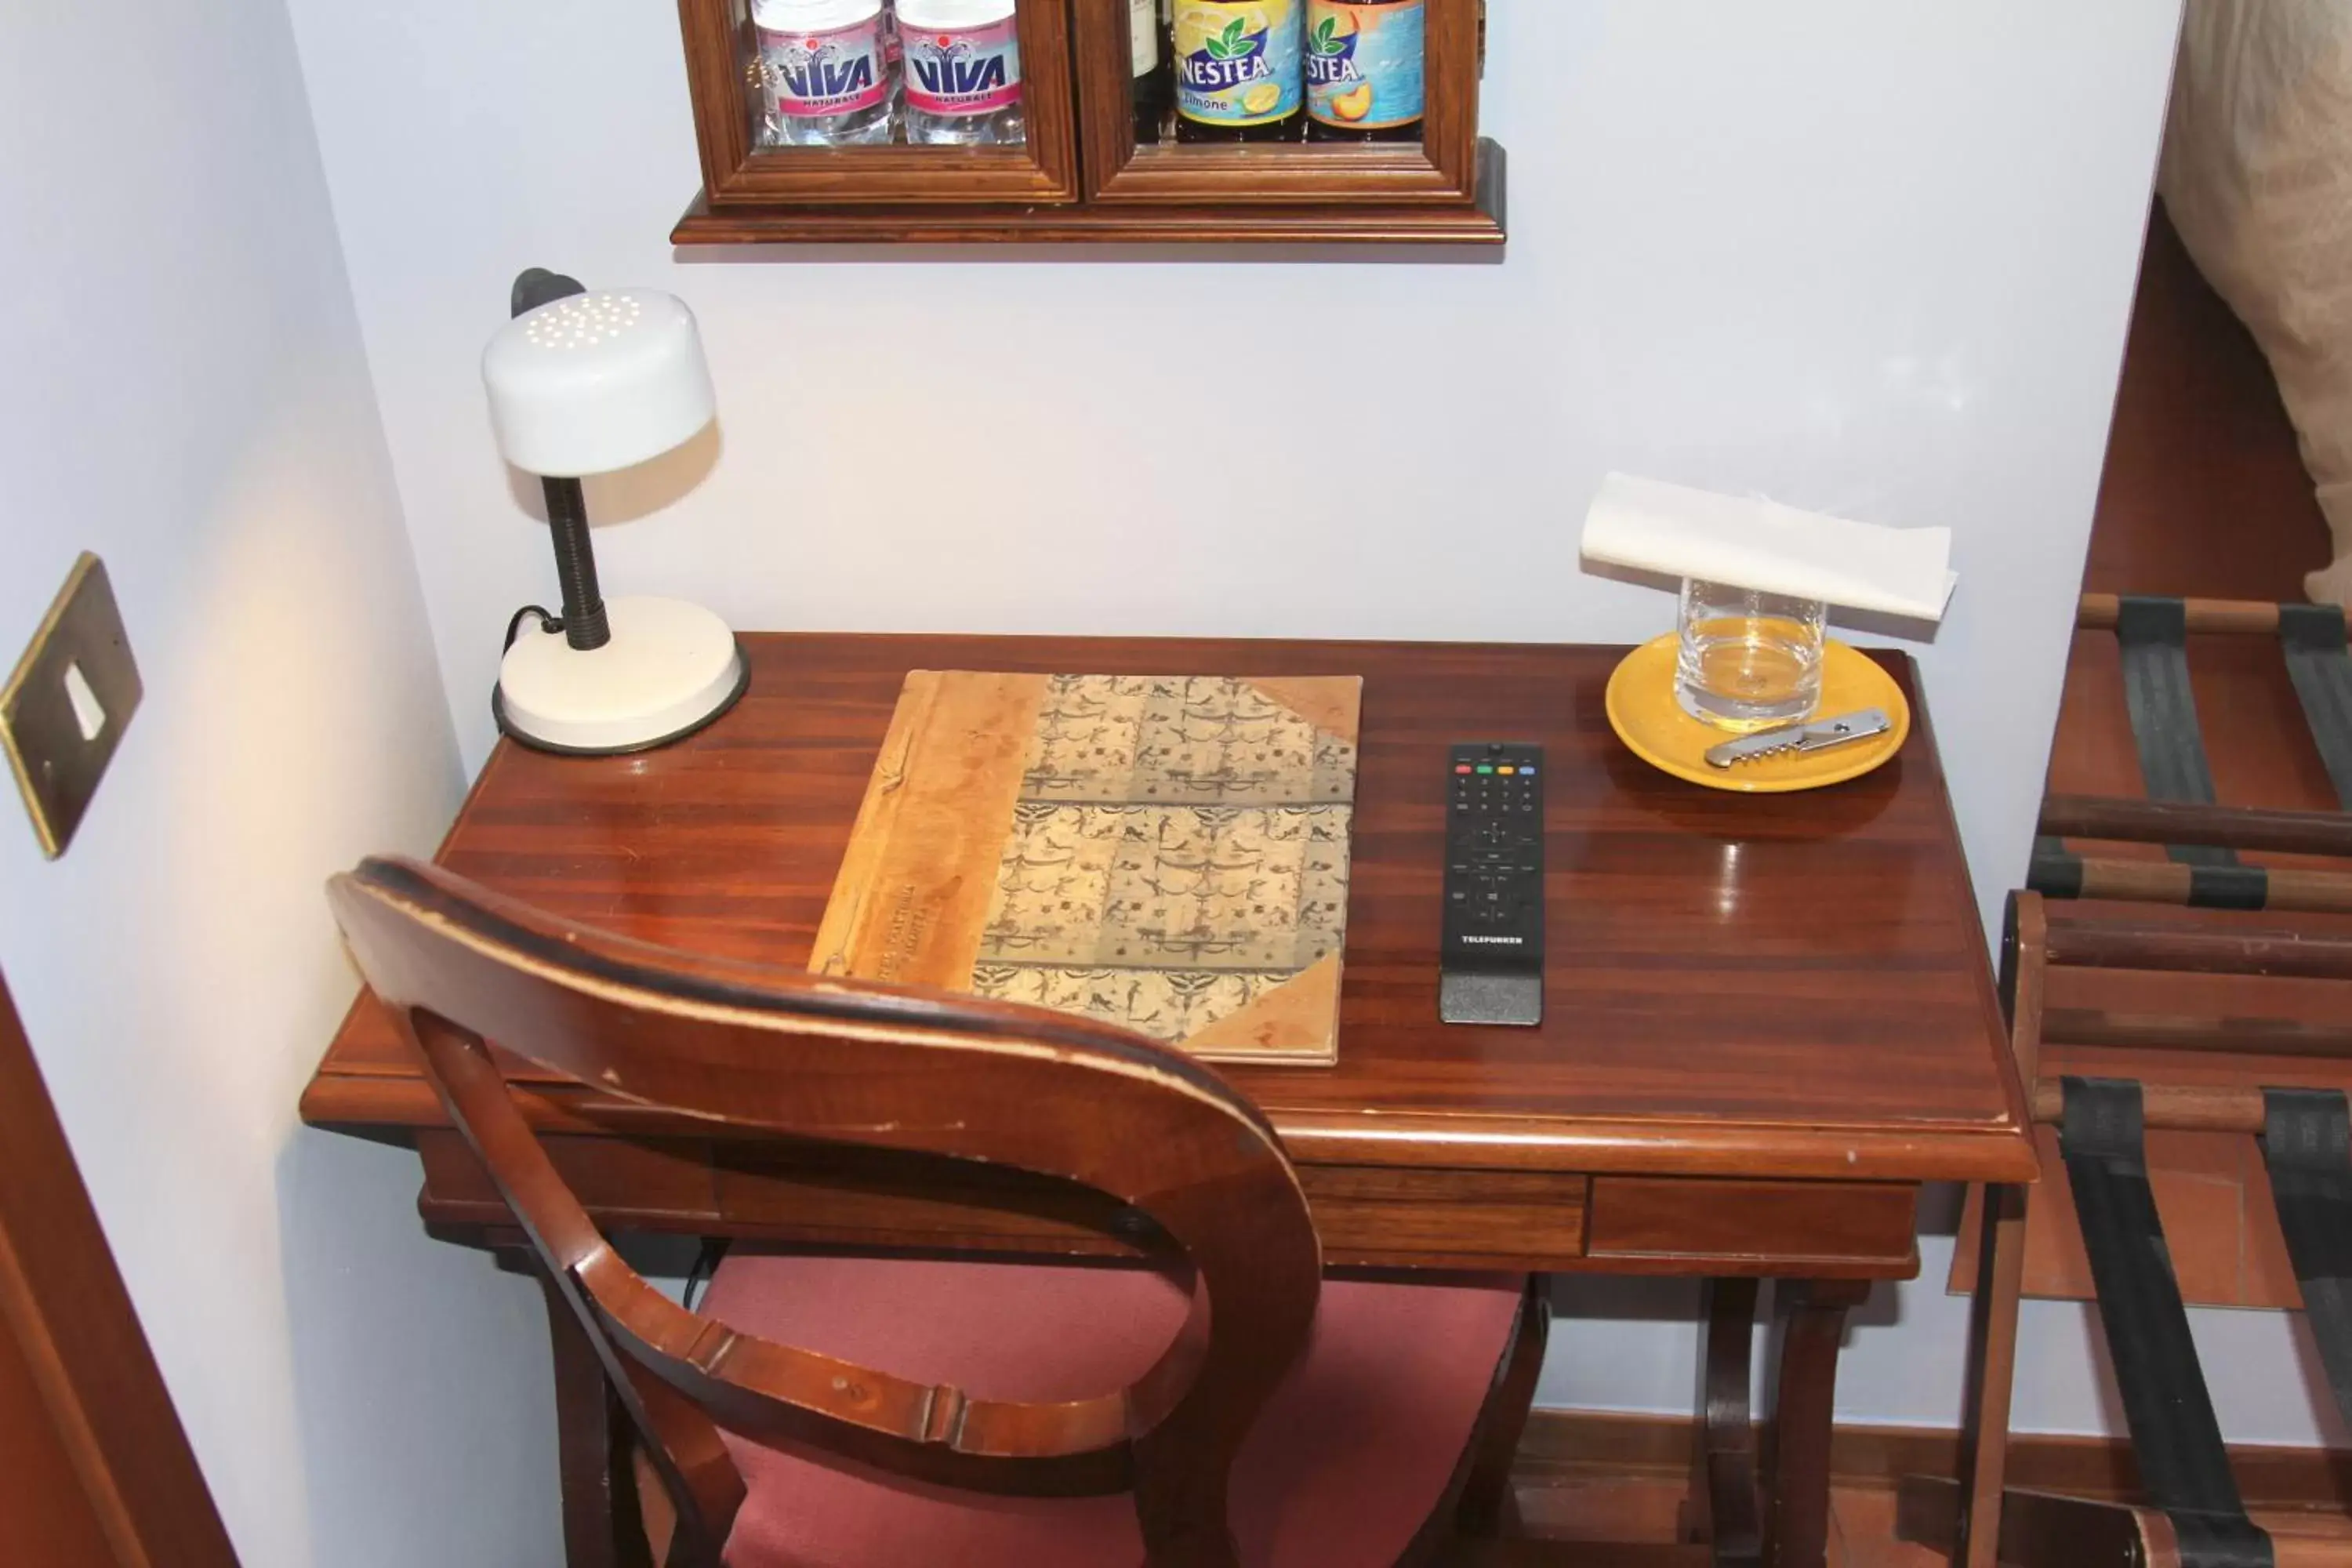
x=1238, y=65
x=816, y=75
x=968, y=71
x=1364, y=69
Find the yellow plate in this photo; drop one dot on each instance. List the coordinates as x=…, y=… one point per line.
x=1644, y=712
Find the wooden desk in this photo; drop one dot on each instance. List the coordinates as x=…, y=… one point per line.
x=1769, y=1020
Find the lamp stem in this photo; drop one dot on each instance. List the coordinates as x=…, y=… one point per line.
x=575, y=565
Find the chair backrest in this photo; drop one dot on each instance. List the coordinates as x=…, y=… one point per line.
x=771, y=1051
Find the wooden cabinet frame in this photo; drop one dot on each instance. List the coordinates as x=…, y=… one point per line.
x=1439, y=169
x=1083, y=177
x=737, y=174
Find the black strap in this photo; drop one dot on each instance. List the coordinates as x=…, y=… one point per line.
x=2056, y=871
x=2228, y=887
x=2183, y=1465
x=2154, y=635
x=2312, y=636
x=2307, y=1144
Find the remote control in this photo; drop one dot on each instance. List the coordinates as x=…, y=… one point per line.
x=1490, y=959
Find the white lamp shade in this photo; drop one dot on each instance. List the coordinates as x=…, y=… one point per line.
x=597, y=382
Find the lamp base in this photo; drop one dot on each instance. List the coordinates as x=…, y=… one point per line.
x=670, y=669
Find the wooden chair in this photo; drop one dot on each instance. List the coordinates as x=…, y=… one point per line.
x=2192, y=1513
x=1255, y=1413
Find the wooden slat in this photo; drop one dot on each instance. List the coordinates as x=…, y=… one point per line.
x=2099, y=612
x=2241, y=1036
x=2171, y=822
x=2170, y=882
x=2098, y=945
x=2176, y=1108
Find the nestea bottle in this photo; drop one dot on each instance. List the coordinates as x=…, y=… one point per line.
x=1237, y=70
x=1365, y=69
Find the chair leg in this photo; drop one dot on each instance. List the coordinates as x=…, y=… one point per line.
x=600, y=1514
x=1182, y=1501
x=1486, y=1506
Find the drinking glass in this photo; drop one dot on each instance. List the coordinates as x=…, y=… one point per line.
x=1748, y=660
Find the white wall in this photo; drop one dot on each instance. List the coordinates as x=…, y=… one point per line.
x=1871, y=259
x=182, y=388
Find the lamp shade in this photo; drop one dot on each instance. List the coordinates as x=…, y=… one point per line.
x=597, y=382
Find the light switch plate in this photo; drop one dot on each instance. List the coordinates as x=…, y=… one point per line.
x=64, y=709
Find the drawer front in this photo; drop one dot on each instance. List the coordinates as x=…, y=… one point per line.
x=833, y=1197
x=1368, y=1217
x=1446, y=1219
x=619, y=1181
x=1692, y=1225
x=818, y=1197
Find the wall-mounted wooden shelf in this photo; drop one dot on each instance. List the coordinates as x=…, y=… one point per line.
x=1082, y=175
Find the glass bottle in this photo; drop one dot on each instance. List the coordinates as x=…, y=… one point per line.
x=961, y=64
x=1366, y=63
x=824, y=78
x=1238, y=73
x=1154, y=76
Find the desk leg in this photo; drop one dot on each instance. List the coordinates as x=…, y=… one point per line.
x=1729, y=1430
x=1813, y=1326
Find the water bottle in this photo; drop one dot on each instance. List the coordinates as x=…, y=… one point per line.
x=824, y=72
x=962, y=68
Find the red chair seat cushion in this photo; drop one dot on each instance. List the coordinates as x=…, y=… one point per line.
x=1343, y=1468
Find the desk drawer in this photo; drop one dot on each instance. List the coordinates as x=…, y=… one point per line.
x=1446, y=1219
x=815, y=1196
x=654, y=1185
x=1825, y=1229
x=849, y=1197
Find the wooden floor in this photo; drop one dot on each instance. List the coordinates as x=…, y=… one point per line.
x=1631, y=1518
x=1625, y=1519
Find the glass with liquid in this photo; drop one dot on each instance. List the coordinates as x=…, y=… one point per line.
x=1748, y=660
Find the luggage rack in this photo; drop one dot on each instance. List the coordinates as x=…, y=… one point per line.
x=2193, y=1515
x=2203, y=837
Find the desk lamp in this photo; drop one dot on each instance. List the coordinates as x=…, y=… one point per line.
x=588, y=384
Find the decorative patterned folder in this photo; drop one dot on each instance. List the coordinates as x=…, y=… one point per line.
x=1165, y=852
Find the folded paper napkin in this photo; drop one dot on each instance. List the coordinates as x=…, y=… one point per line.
x=1673, y=530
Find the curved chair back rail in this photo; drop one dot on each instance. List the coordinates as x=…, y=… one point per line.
x=890, y=1067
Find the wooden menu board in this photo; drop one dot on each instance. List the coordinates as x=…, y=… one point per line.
x=1168, y=853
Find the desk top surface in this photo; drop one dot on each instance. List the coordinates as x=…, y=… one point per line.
x=1735, y=985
